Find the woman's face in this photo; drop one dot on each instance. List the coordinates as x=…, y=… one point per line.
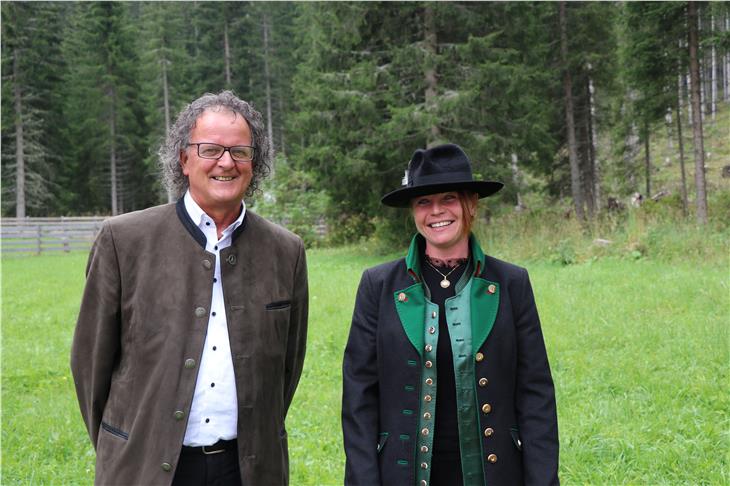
x=440, y=219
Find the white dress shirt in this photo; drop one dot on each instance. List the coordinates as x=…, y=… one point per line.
x=214, y=411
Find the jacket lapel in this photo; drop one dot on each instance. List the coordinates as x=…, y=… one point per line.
x=484, y=301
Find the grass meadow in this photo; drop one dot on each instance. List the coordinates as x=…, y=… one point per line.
x=638, y=348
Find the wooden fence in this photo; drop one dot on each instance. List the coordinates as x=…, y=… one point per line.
x=39, y=235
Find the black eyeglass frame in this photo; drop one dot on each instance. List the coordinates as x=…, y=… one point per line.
x=225, y=149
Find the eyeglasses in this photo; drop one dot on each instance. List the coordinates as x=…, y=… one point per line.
x=239, y=153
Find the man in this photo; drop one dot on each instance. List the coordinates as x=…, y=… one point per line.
x=191, y=336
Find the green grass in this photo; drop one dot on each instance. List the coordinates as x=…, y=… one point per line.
x=638, y=348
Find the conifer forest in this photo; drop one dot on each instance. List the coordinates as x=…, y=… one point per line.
x=560, y=98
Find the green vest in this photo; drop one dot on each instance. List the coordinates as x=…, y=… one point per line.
x=475, y=297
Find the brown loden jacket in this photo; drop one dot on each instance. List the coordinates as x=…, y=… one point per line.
x=140, y=336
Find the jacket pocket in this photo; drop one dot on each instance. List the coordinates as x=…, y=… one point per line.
x=515, y=433
x=280, y=304
x=115, y=431
x=381, y=441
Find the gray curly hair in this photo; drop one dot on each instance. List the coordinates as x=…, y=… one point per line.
x=179, y=135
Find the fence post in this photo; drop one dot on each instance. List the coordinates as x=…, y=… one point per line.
x=39, y=239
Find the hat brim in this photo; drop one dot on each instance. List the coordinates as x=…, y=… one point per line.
x=401, y=198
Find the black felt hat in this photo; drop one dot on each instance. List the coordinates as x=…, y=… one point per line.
x=442, y=168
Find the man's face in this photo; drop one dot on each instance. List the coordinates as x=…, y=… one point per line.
x=218, y=185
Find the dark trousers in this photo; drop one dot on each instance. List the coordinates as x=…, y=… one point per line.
x=197, y=469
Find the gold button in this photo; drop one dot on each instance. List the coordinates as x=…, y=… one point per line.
x=433, y=315
x=483, y=382
x=424, y=465
x=488, y=432
x=492, y=289
x=427, y=415
x=479, y=357
x=200, y=312
x=179, y=415
x=492, y=458
x=190, y=363
x=432, y=330
x=427, y=398
x=207, y=264
x=424, y=432
x=166, y=467
x=428, y=364
x=429, y=348
x=401, y=297
x=486, y=408
x=429, y=381
x=424, y=449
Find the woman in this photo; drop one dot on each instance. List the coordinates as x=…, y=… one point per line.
x=445, y=377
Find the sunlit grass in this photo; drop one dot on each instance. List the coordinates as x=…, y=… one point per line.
x=638, y=348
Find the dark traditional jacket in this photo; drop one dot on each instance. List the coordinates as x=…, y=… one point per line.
x=140, y=334
x=385, y=391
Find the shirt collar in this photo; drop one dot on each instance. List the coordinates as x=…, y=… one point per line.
x=199, y=216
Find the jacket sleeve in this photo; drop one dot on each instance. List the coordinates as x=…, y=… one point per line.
x=297, y=339
x=360, y=393
x=535, y=393
x=96, y=341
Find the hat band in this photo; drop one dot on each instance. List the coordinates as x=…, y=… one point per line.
x=444, y=178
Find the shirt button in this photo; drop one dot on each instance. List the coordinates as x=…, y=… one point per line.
x=424, y=432
x=427, y=398
x=200, y=312
x=207, y=421
x=424, y=449
x=429, y=381
x=424, y=465
x=428, y=348
x=190, y=363
x=166, y=467
x=483, y=382
x=428, y=364
x=231, y=259
x=486, y=408
x=215, y=347
x=179, y=415
x=479, y=357
x=427, y=416
x=431, y=330
x=212, y=385
x=433, y=315
x=207, y=264
x=213, y=314
x=492, y=458
x=488, y=432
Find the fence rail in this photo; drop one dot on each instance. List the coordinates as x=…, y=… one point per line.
x=38, y=235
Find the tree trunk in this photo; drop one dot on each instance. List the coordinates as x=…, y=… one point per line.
x=166, y=103
x=569, y=118
x=282, y=141
x=694, y=67
x=430, y=75
x=19, y=139
x=726, y=64
x=595, y=166
x=227, y=54
x=516, y=181
x=647, y=160
x=713, y=72
x=267, y=80
x=680, y=142
x=113, y=152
